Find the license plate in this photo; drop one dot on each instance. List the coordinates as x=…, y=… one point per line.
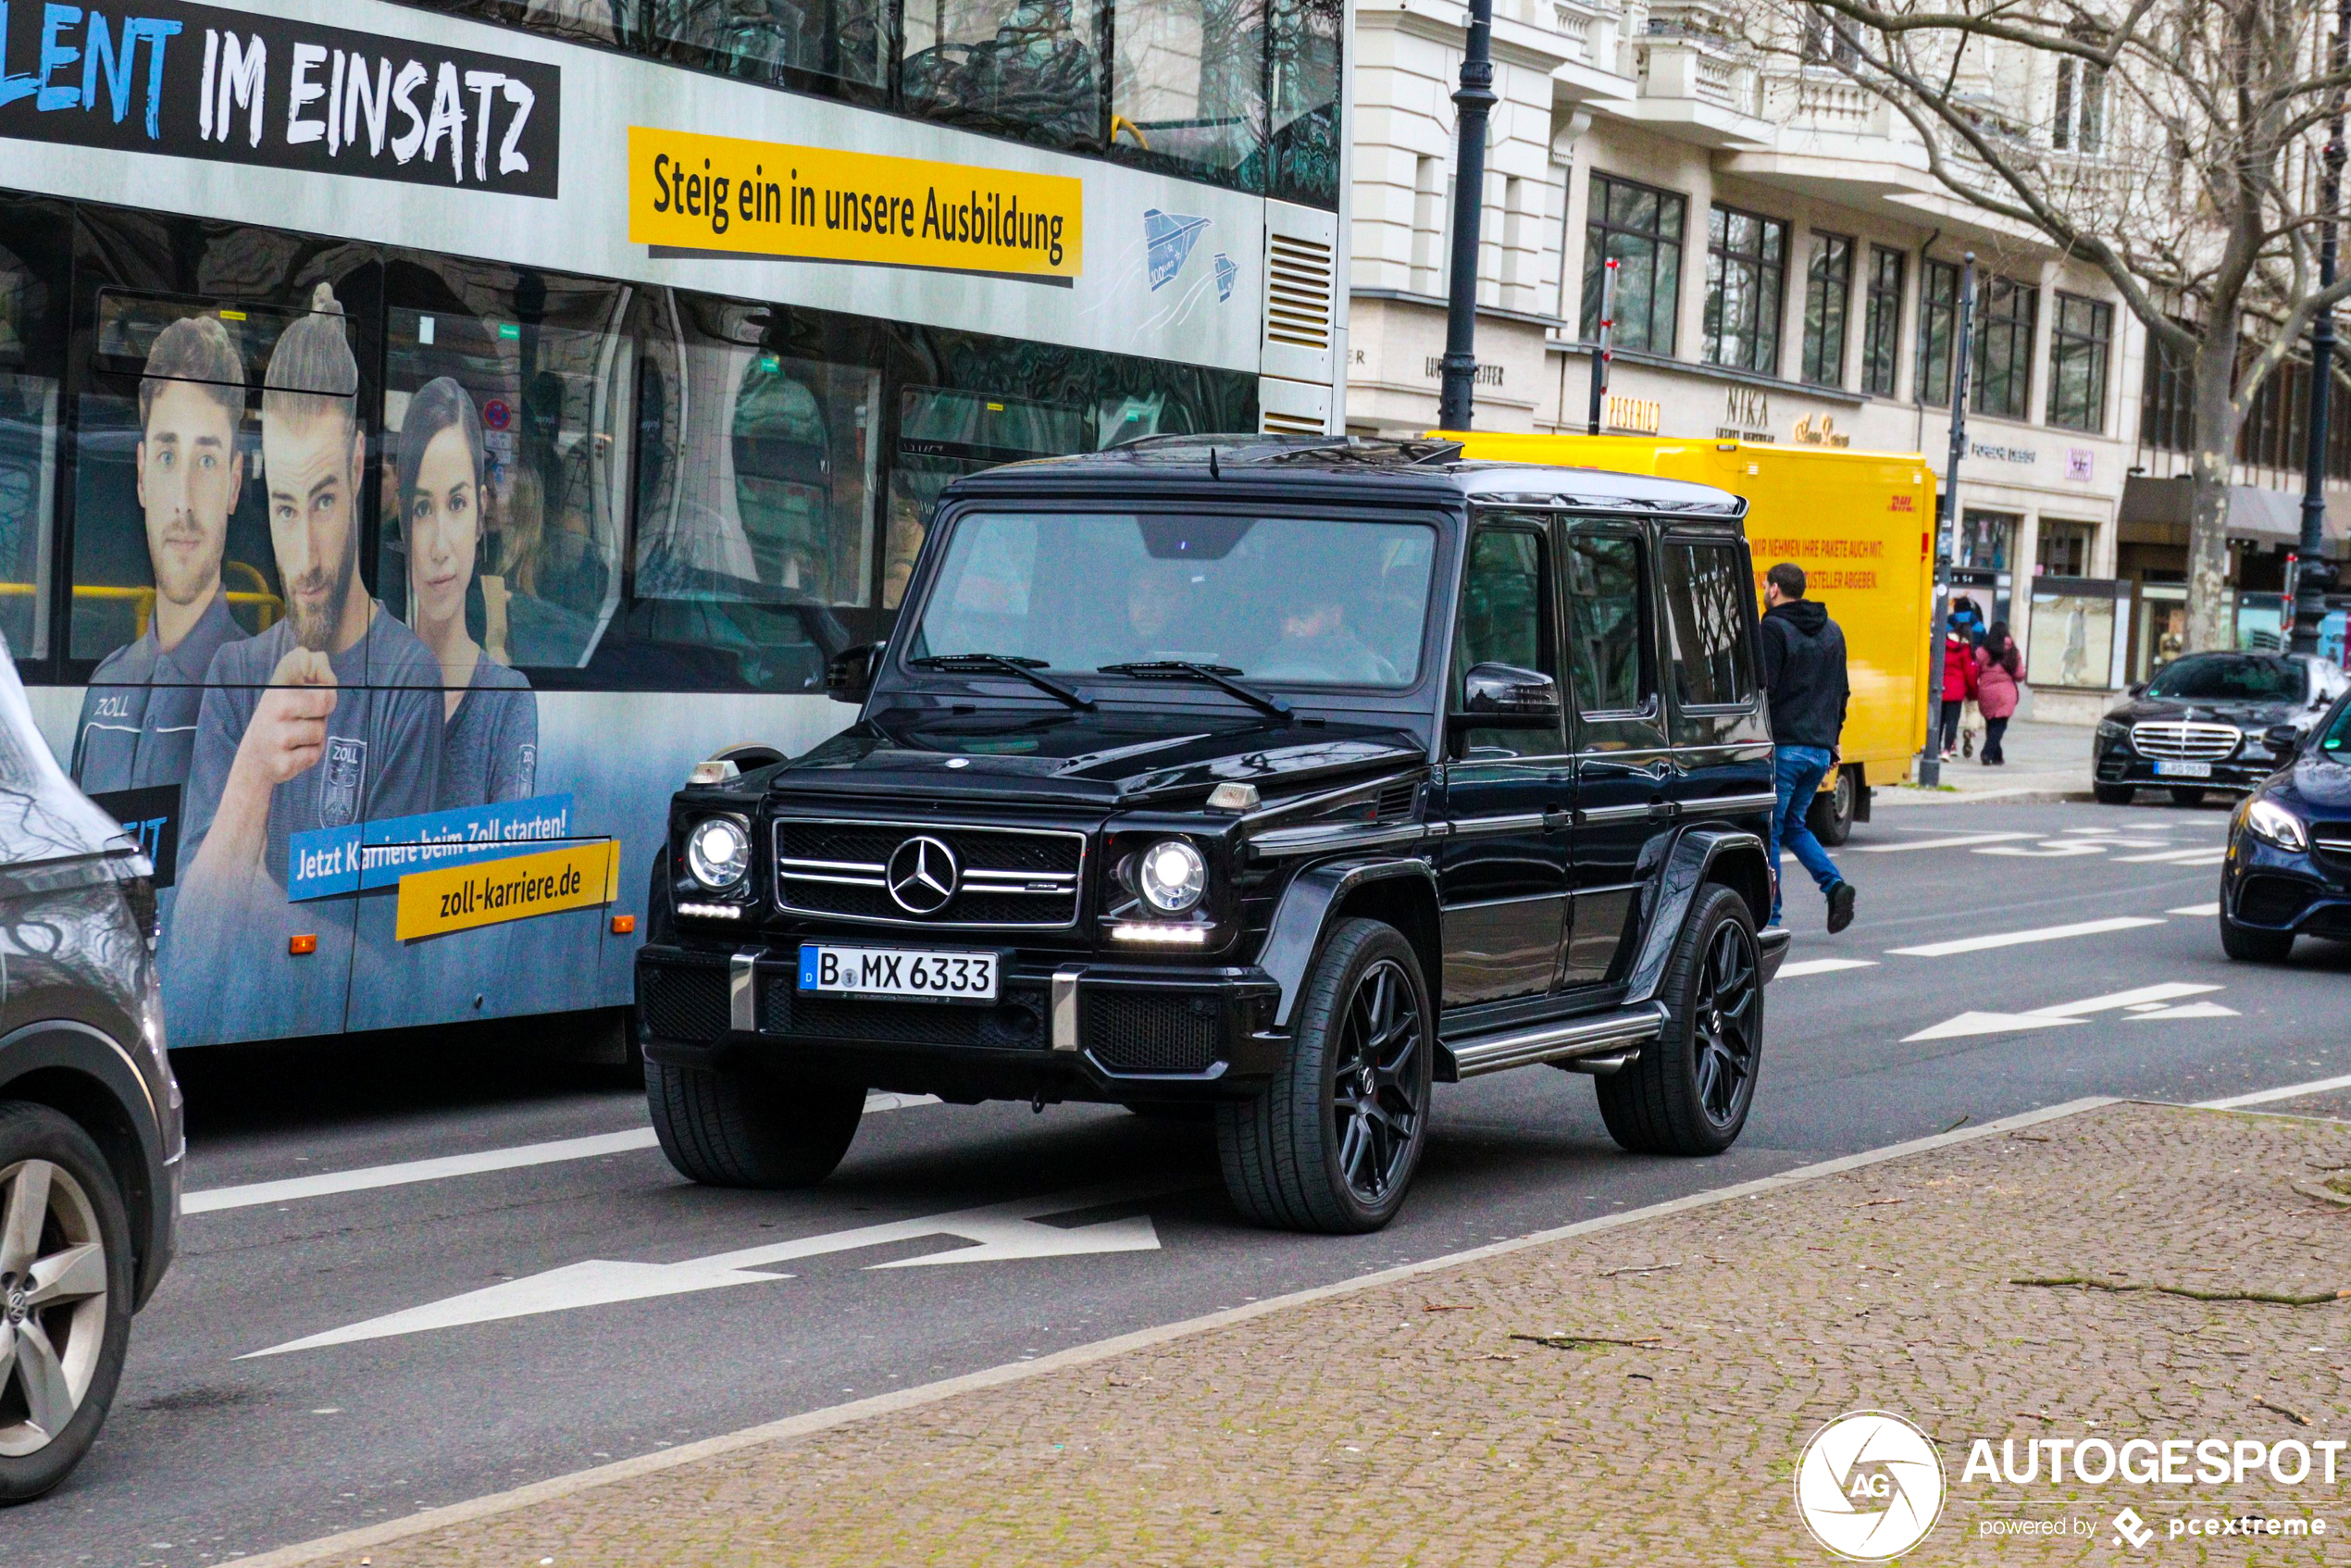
x=2183, y=770
x=898, y=972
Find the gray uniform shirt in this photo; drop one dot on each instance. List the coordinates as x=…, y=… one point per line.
x=383, y=739
x=489, y=751
x=138, y=718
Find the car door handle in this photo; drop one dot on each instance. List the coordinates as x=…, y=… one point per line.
x=1660, y=811
x=1557, y=818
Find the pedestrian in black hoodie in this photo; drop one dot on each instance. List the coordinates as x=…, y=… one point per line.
x=1804, y=674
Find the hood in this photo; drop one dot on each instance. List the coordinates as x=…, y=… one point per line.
x=2322, y=783
x=2246, y=714
x=1806, y=615
x=1108, y=758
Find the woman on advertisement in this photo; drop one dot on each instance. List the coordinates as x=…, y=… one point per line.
x=490, y=742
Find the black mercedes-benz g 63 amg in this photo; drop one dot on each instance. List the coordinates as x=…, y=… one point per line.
x=1279, y=778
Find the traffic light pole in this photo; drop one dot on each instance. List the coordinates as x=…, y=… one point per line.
x=1472, y=102
x=1947, y=520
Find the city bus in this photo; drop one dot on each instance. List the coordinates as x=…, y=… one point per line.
x=428, y=431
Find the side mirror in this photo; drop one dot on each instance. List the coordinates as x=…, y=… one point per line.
x=2282, y=739
x=2138, y=689
x=849, y=675
x=1506, y=697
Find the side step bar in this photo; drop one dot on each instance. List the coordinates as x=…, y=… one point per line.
x=1610, y=1035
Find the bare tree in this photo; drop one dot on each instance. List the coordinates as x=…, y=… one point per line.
x=2172, y=143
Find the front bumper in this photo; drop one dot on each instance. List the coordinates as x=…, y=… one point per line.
x=2119, y=763
x=2269, y=888
x=1062, y=1031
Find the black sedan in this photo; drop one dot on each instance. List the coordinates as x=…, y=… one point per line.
x=2289, y=868
x=2204, y=722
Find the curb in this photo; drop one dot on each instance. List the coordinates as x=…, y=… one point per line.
x=812, y=1421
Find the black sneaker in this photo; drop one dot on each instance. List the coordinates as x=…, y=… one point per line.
x=1840, y=906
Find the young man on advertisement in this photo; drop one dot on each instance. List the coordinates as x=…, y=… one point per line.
x=139, y=718
x=331, y=718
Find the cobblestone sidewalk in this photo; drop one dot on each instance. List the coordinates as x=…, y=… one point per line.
x=1638, y=1395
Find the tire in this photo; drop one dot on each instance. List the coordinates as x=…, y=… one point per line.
x=1689, y=1091
x=1311, y=1151
x=2114, y=794
x=1830, y=815
x=737, y=1126
x=80, y=1333
x=2182, y=796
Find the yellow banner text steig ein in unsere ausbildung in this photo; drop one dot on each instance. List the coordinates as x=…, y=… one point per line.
x=694, y=193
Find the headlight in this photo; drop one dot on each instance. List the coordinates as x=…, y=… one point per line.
x=2110, y=730
x=1172, y=876
x=2272, y=821
x=718, y=852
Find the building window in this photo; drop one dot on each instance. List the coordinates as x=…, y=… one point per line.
x=1938, y=320
x=1640, y=230
x=2079, y=120
x=2166, y=409
x=1746, y=280
x=2003, y=346
x=2081, y=339
x=1882, y=333
x=2064, y=549
x=1828, y=295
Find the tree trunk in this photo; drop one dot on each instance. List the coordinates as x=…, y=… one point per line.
x=2211, y=609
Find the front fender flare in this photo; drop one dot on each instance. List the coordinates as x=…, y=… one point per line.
x=1694, y=854
x=1304, y=913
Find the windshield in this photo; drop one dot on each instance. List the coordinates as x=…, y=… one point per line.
x=2227, y=676
x=2336, y=743
x=1302, y=601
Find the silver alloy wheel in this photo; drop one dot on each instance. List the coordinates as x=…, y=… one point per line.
x=53, y=1303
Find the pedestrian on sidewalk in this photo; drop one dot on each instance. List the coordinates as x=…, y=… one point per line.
x=1969, y=622
x=1958, y=684
x=1998, y=667
x=1804, y=676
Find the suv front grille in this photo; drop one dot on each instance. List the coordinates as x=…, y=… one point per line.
x=1015, y=1023
x=1141, y=1031
x=1005, y=876
x=2195, y=743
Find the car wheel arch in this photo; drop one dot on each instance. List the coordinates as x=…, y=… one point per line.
x=77, y=1072
x=1699, y=857
x=1402, y=891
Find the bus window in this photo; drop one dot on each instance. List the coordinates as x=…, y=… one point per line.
x=33, y=275
x=754, y=502
x=1029, y=67
x=1188, y=86
x=942, y=433
x=767, y=40
x=547, y=367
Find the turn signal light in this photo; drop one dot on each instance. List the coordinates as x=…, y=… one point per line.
x=623, y=923
x=302, y=946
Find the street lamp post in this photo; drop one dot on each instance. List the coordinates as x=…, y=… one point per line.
x=1472, y=102
x=1946, y=519
x=2312, y=576
x=1601, y=355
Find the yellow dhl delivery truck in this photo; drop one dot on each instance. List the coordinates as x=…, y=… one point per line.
x=1862, y=525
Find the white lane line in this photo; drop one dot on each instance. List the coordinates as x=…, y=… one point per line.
x=1823, y=967
x=2207, y=909
x=2203, y=854
x=2264, y=1096
x=2018, y=939
x=1957, y=840
x=514, y=1157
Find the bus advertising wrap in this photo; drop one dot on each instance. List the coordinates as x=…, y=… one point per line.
x=230, y=86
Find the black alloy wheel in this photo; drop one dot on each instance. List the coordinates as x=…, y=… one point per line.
x=1330, y=1145
x=1376, y=1100
x=1689, y=1091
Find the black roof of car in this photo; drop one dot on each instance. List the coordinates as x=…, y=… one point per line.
x=1319, y=463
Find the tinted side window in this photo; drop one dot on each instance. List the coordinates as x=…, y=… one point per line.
x=1706, y=625
x=1607, y=655
x=1505, y=592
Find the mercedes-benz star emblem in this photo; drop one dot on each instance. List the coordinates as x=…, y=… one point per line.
x=922, y=874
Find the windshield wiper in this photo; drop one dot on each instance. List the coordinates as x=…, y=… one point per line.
x=1213, y=675
x=1006, y=663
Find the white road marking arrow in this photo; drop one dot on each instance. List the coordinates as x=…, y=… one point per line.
x=1003, y=1231
x=2154, y=997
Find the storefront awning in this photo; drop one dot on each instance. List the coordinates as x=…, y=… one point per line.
x=2255, y=513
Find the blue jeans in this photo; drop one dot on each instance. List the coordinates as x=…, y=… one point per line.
x=1798, y=772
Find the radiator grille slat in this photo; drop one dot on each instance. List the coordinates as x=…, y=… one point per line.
x=837, y=867
x=2173, y=739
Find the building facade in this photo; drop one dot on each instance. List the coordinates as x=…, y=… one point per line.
x=1788, y=271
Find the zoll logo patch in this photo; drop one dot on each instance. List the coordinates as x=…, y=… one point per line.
x=1869, y=1485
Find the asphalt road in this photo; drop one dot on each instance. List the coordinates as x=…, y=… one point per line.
x=210, y=1455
